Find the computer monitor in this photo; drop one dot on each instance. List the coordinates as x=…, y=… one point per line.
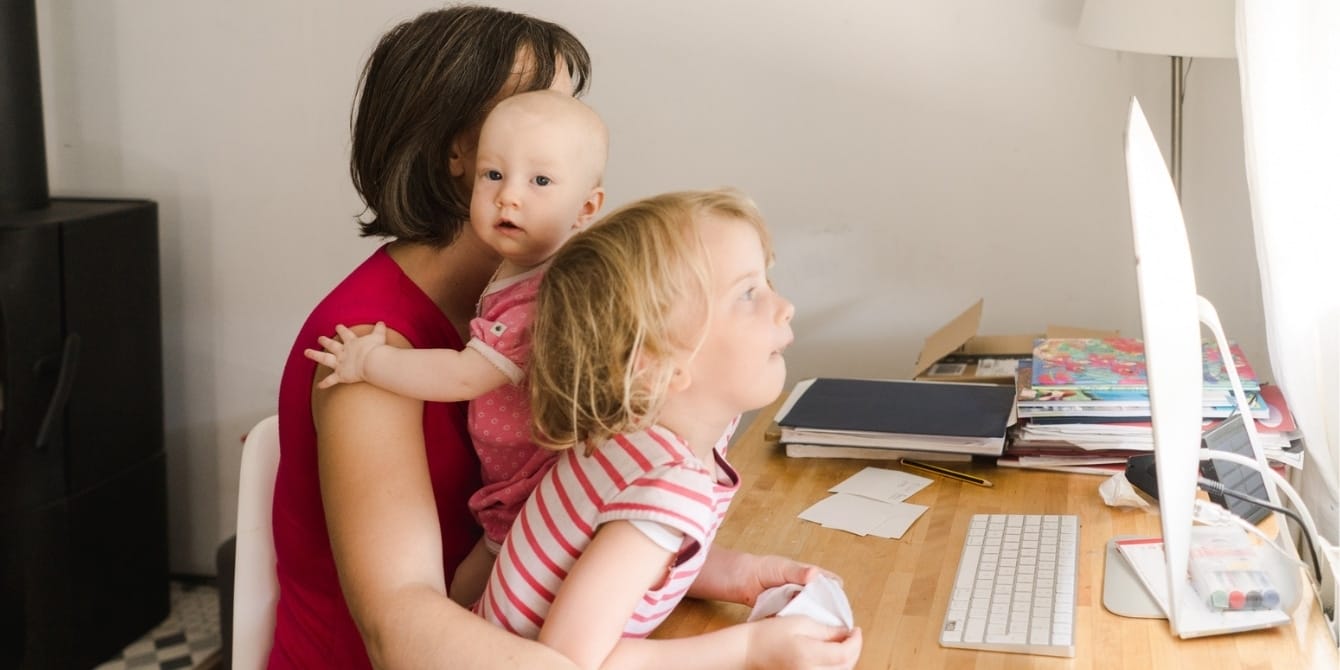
x=1170, y=316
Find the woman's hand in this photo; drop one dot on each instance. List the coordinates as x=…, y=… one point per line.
x=800, y=642
x=738, y=577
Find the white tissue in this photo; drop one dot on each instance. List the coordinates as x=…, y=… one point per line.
x=1118, y=492
x=822, y=600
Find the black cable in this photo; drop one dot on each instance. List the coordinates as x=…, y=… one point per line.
x=1216, y=487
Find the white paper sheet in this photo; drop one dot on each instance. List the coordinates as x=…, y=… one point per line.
x=863, y=516
x=904, y=515
x=822, y=600
x=851, y=513
x=882, y=484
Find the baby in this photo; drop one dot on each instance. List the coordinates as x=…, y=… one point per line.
x=538, y=175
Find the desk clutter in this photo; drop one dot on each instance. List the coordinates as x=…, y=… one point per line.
x=1076, y=404
x=1083, y=406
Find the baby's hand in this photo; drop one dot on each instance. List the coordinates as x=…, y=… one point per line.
x=348, y=355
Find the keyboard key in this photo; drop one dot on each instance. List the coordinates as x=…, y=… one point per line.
x=974, y=631
x=1008, y=638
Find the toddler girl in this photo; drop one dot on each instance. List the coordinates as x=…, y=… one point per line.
x=653, y=331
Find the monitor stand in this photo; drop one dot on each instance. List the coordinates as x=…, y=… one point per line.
x=1123, y=593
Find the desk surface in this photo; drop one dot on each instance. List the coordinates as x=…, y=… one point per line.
x=899, y=588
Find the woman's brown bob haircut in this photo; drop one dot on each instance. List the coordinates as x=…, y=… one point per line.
x=428, y=81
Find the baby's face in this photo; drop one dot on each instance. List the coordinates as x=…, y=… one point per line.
x=536, y=183
x=467, y=143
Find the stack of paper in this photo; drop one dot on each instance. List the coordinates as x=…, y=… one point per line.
x=1085, y=442
x=899, y=415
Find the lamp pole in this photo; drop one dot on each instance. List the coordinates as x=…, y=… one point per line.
x=1178, y=93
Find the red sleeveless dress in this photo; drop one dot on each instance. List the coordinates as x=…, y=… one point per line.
x=313, y=627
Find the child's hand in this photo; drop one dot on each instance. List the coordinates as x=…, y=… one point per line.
x=739, y=577
x=769, y=571
x=801, y=642
x=348, y=356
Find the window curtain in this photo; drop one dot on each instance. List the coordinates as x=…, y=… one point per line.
x=1289, y=69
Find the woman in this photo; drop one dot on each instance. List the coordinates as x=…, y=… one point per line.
x=370, y=515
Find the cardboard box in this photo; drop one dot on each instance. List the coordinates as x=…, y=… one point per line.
x=956, y=353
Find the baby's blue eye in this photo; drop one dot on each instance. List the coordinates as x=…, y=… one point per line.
x=493, y=175
x=542, y=180
x=749, y=294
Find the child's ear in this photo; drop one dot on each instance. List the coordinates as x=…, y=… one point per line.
x=591, y=207
x=681, y=380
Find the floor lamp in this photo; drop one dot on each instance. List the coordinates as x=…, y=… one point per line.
x=1180, y=29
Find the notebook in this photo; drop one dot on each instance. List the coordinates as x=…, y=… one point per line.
x=805, y=450
x=900, y=414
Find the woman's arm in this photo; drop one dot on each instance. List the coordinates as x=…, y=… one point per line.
x=386, y=540
x=439, y=375
x=603, y=589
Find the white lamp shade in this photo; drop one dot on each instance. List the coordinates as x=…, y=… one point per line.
x=1195, y=28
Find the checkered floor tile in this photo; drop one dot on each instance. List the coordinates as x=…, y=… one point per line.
x=189, y=635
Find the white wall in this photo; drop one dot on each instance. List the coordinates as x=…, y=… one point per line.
x=911, y=157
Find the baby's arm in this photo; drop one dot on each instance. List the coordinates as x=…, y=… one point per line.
x=605, y=585
x=472, y=575
x=439, y=375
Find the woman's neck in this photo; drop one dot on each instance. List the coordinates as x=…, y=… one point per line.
x=452, y=276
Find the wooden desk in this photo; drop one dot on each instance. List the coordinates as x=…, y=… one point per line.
x=899, y=589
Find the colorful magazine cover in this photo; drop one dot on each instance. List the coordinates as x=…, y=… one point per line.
x=1114, y=368
x=1266, y=405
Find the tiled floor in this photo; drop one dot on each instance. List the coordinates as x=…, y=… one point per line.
x=188, y=638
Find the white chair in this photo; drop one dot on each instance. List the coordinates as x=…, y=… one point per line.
x=255, y=587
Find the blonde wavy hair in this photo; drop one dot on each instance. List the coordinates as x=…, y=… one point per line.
x=617, y=306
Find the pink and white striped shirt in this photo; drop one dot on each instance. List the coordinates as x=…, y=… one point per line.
x=651, y=475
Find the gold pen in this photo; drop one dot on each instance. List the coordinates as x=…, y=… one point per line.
x=945, y=472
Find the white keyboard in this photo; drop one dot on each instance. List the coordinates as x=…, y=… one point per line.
x=1015, y=587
